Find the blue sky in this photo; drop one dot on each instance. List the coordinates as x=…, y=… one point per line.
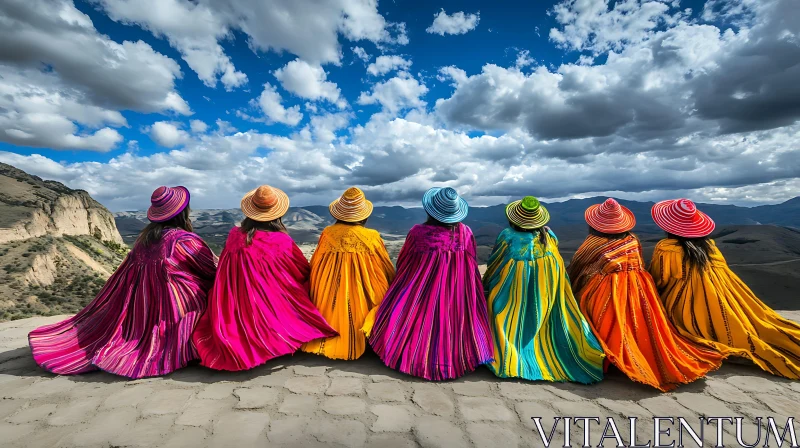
x=637, y=99
x=513, y=26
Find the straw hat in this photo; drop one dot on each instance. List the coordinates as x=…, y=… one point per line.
x=167, y=203
x=351, y=206
x=610, y=217
x=527, y=213
x=445, y=205
x=681, y=217
x=265, y=204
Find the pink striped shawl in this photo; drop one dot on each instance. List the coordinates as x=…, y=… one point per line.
x=140, y=323
x=433, y=322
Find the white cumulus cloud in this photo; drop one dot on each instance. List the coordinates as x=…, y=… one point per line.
x=395, y=94
x=198, y=126
x=167, y=134
x=386, y=64
x=457, y=23
x=308, y=81
x=270, y=104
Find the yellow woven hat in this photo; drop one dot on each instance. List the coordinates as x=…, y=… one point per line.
x=265, y=204
x=352, y=206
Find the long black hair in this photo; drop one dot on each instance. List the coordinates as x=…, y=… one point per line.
x=153, y=232
x=696, y=250
x=250, y=226
x=435, y=222
x=541, y=232
x=363, y=222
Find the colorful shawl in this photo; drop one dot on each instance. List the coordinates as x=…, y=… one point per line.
x=433, y=322
x=259, y=307
x=539, y=332
x=620, y=301
x=714, y=306
x=141, y=322
x=350, y=273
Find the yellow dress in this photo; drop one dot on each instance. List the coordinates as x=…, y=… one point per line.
x=350, y=273
x=715, y=306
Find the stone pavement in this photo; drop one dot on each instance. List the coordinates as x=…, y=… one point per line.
x=306, y=400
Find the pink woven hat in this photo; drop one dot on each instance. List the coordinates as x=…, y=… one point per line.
x=610, y=217
x=167, y=203
x=681, y=217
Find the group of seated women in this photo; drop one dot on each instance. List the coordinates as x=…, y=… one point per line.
x=172, y=301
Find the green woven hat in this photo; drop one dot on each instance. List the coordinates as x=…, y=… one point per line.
x=527, y=213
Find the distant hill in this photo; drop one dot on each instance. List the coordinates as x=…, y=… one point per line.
x=57, y=246
x=760, y=242
x=566, y=219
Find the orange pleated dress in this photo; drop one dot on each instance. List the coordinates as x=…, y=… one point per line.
x=714, y=305
x=619, y=299
x=350, y=273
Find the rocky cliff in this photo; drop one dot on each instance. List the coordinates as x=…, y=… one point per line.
x=57, y=246
x=32, y=207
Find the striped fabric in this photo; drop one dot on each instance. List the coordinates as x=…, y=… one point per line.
x=620, y=301
x=259, y=307
x=681, y=217
x=166, y=203
x=445, y=205
x=527, y=213
x=433, y=322
x=539, y=332
x=610, y=217
x=350, y=273
x=265, y=204
x=141, y=322
x=352, y=206
x=716, y=307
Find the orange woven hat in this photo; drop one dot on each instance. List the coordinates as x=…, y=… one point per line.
x=352, y=206
x=610, y=217
x=265, y=204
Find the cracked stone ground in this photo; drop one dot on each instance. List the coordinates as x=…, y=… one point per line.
x=306, y=400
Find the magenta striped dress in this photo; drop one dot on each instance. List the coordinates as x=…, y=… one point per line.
x=433, y=322
x=141, y=322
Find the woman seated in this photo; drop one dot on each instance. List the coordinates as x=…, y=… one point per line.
x=433, y=322
x=706, y=301
x=140, y=323
x=259, y=307
x=350, y=273
x=619, y=299
x=539, y=332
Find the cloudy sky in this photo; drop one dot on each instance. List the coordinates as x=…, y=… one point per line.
x=640, y=99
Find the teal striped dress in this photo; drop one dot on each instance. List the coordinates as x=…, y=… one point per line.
x=539, y=332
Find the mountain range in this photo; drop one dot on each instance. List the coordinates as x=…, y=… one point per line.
x=305, y=223
x=58, y=245
x=761, y=243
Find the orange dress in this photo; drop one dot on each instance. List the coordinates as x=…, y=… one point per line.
x=714, y=305
x=350, y=273
x=621, y=303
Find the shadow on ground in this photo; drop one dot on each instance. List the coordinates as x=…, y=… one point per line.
x=615, y=385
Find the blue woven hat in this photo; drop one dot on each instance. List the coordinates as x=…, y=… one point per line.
x=445, y=205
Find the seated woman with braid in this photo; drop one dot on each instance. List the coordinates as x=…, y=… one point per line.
x=707, y=302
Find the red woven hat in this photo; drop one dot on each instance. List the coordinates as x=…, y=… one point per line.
x=681, y=217
x=167, y=202
x=610, y=217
